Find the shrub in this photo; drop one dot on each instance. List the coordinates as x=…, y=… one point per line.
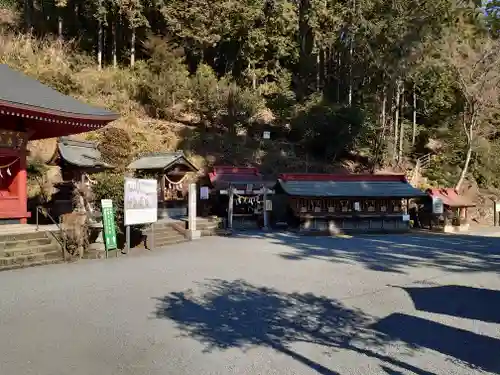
x=111, y=186
x=116, y=147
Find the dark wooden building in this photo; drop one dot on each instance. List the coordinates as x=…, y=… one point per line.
x=78, y=160
x=173, y=172
x=347, y=203
x=238, y=195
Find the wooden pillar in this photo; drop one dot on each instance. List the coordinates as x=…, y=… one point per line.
x=230, y=208
x=162, y=187
x=22, y=186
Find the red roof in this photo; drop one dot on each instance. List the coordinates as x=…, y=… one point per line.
x=234, y=173
x=342, y=177
x=450, y=197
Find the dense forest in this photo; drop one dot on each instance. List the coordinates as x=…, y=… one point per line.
x=359, y=84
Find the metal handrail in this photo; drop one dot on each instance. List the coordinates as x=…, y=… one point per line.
x=62, y=240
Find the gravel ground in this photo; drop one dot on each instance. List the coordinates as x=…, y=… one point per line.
x=250, y=304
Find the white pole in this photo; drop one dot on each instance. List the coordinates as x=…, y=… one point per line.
x=266, y=214
x=230, y=208
x=193, y=233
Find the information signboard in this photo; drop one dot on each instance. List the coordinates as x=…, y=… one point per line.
x=437, y=206
x=108, y=221
x=141, y=201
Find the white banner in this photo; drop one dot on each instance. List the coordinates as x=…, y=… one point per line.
x=141, y=201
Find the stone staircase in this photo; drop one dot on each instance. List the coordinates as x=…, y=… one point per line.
x=207, y=226
x=414, y=175
x=24, y=247
x=170, y=232
x=164, y=234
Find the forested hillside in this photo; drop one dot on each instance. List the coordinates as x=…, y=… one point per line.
x=359, y=84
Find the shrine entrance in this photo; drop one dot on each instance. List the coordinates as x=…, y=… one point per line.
x=241, y=197
x=13, y=178
x=247, y=209
x=174, y=172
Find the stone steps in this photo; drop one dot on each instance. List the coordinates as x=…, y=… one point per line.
x=207, y=227
x=21, y=251
x=162, y=241
x=28, y=243
x=28, y=249
x=164, y=235
x=27, y=260
x=31, y=264
x=7, y=237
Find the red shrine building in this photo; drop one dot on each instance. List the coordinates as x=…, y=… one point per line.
x=29, y=111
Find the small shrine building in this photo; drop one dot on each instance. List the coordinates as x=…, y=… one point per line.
x=77, y=161
x=454, y=215
x=29, y=111
x=172, y=170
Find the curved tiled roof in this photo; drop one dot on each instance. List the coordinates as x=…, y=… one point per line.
x=81, y=153
x=161, y=160
x=24, y=93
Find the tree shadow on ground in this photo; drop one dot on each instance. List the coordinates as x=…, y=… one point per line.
x=236, y=314
x=457, y=300
x=393, y=253
x=475, y=350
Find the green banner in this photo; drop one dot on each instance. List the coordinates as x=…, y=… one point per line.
x=108, y=221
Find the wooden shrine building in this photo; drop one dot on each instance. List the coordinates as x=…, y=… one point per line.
x=238, y=194
x=346, y=203
x=454, y=215
x=30, y=110
x=77, y=160
x=174, y=172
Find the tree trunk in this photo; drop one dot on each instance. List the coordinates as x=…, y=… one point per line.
x=60, y=27
x=465, y=169
x=402, y=127
x=28, y=12
x=384, y=106
x=414, y=129
x=318, y=71
x=254, y=78
x=132, y=48
x=322, y=68
x=99, y=46
x=113, y=51
x=396, y=122
x=351, y=47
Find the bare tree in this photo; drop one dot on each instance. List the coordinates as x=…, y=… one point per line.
x=476, y=67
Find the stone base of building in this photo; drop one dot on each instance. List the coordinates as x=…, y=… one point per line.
x=345, y=226
x=455, y=228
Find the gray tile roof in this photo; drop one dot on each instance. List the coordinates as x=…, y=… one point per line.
x=160, y=161
x=83, y=154
x=19, y=89
x=370, y=189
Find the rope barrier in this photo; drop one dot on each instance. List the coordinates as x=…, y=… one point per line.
x=9, y=165
x=175, y=183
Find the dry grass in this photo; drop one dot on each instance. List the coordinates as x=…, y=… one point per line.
x=57, y=65
x=43, y=150
x=60, y=66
